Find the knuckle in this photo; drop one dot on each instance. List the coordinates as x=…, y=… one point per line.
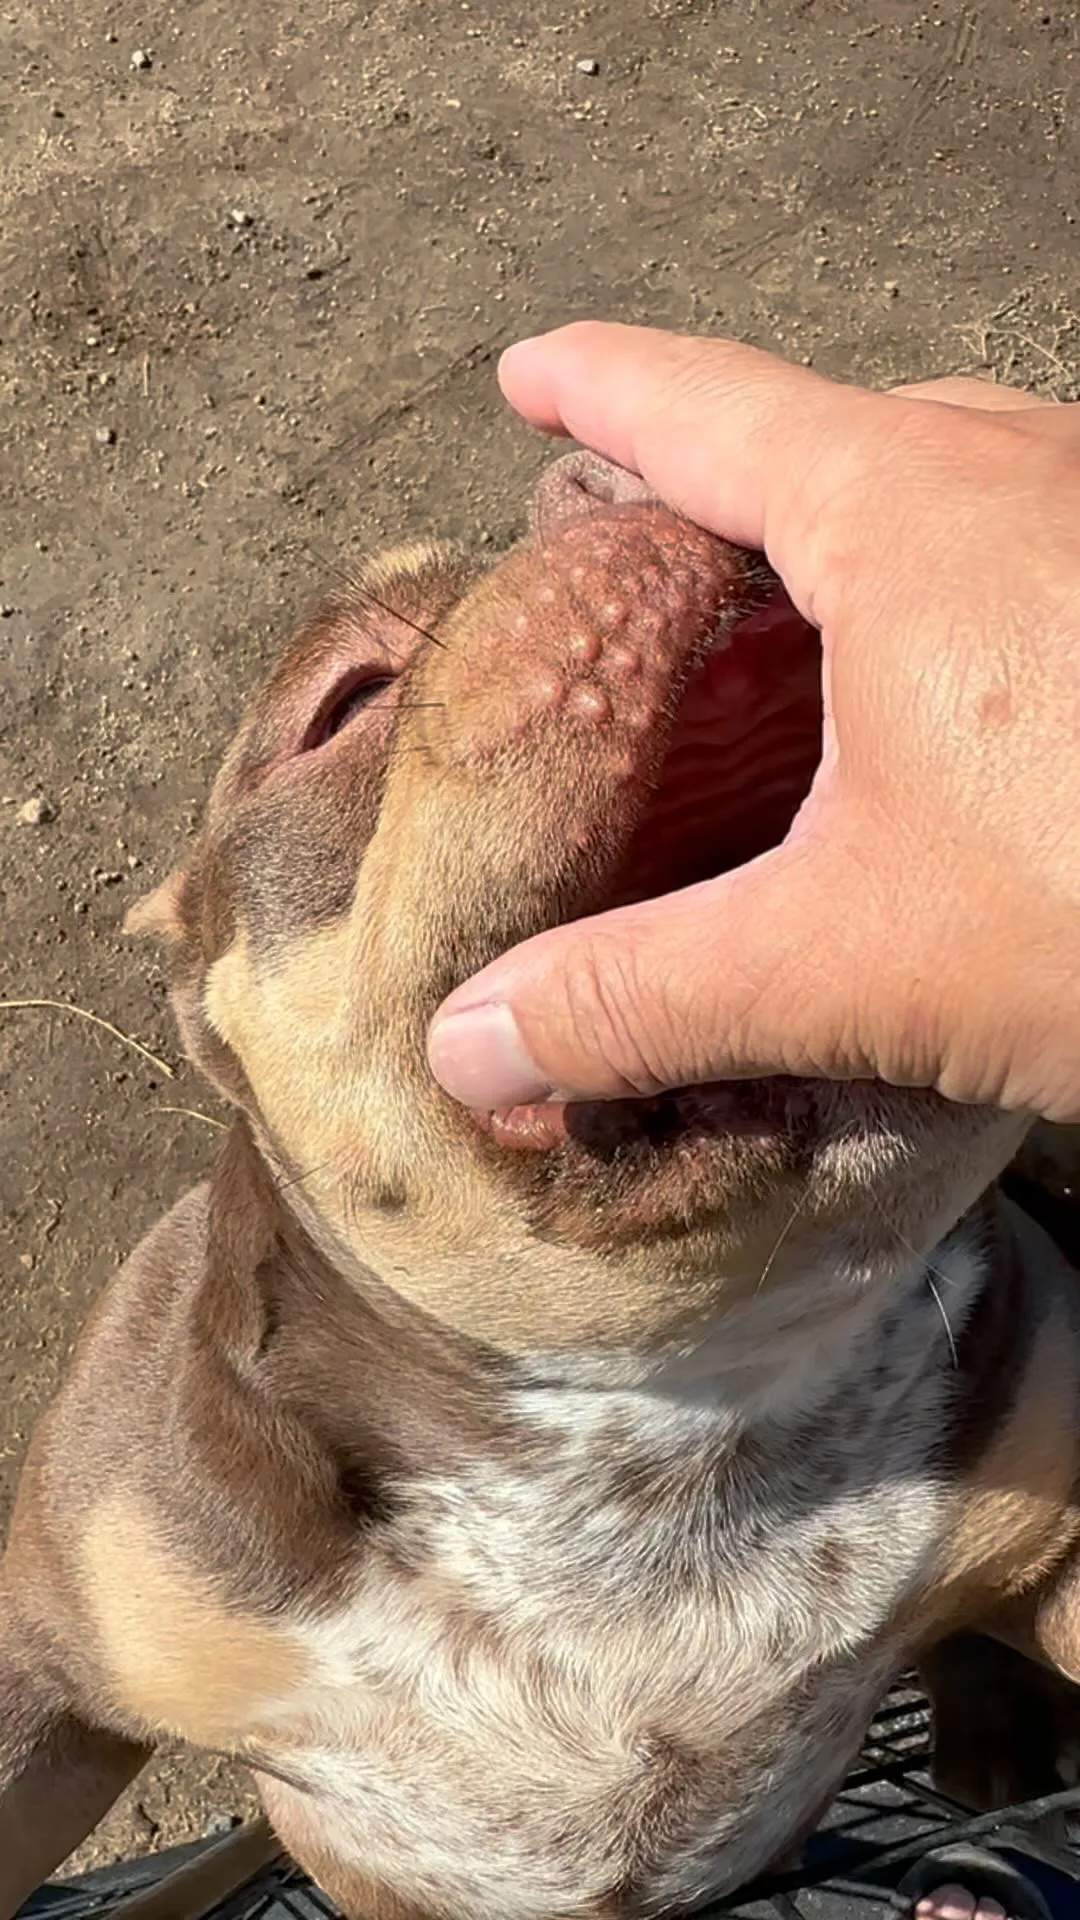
x=617, y=1015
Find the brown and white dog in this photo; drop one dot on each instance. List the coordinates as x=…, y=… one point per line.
x=539, y=1505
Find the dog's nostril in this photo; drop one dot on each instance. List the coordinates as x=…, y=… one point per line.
x=581, y=484
x=590, y=475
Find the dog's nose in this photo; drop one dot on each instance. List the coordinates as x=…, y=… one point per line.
x=582, y=484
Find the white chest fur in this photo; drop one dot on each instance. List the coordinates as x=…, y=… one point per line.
x=636, y=1653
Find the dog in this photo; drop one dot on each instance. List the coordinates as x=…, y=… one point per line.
x=538, y=1502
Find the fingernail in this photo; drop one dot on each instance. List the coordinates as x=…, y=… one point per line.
x=478, y=1056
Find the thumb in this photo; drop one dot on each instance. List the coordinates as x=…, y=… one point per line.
x=774, y=968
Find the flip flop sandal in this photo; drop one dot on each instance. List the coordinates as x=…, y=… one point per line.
x=983, y=1874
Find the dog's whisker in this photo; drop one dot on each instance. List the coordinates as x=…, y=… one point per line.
x=945, y=1279
x=780, y=1238
x=356, y=586
x=950, y=1336
x=297, y=1180
x=931, y=1274
x=328, y=564
x=395, y=613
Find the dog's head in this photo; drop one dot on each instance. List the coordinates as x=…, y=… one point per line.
x=455, y=754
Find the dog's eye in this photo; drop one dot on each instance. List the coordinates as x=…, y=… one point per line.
x=343, y=703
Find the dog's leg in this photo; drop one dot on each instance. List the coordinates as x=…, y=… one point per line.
x=1006, y=1728
x=1050, y=1620
x=58, y=1775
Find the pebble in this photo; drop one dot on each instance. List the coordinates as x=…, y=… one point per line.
x=106, y=436
x=6, y=610
x=220, y=1824
x=892, y=288
x=142, y=1820
x=240, y=217
x=36, y=812
x=141, y=60
x=591, y=67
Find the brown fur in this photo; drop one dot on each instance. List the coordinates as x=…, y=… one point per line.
x=542, y=1529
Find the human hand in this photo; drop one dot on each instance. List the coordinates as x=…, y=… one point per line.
x=920, y=923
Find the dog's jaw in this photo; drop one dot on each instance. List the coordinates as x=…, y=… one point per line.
x=522, y=759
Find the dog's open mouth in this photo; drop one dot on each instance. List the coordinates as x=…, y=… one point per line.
x=743, y=749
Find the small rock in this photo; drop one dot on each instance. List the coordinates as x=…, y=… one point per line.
x=591, y=67
x=892, y=288
x=141, y=60
x=36, y=812
x=220, y=1824
x=27, y=1260
x=106, y=436
x=6, y=610
x=240, y=217
x=141, y=1819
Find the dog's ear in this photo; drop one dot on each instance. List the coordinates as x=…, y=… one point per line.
x=158, y=914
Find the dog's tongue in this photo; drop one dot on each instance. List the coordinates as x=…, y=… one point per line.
x=525, y=1129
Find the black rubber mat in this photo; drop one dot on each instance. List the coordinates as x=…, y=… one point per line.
x=886, y=1816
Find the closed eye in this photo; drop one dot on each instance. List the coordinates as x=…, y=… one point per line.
x=348, y=697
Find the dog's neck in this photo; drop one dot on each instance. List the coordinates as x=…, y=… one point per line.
x=771, y=1355
x=757, y=1364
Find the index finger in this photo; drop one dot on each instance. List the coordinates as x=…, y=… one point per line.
x=726, y=434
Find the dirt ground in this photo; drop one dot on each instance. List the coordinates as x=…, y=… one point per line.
x=257, y=263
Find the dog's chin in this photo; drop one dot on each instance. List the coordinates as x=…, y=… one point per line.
x=779, y=1117
x=712, y=1171
x=748, y=1110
